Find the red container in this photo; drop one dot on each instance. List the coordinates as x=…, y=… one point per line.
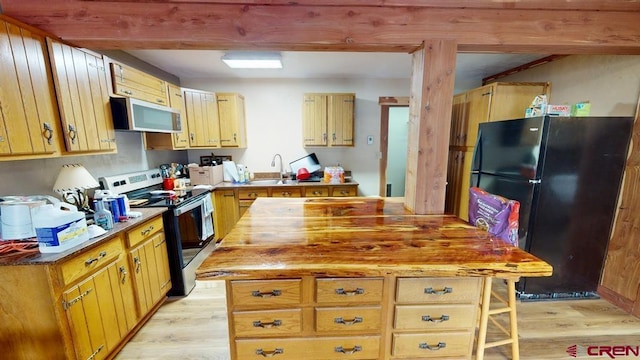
x=167, y=183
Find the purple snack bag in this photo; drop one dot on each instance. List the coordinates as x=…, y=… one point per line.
x=494, y=213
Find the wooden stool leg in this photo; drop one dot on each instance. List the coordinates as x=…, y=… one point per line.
x=484, y=318
x=515, y=347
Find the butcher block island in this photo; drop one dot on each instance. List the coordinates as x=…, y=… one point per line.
x=358, y=278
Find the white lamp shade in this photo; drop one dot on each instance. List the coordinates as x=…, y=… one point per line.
x=74, y=177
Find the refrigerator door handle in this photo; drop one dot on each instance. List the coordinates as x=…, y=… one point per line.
x=535, y=181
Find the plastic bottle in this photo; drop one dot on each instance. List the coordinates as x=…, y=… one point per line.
x=241, y=178
x=102, y=217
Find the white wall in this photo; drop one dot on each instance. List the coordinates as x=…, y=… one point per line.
x=274, y=122
x=610, y=82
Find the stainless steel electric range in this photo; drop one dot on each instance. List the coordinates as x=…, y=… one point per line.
x=188, y=221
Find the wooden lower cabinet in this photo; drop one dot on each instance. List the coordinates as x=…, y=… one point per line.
x=353, y=318
x=81, y=307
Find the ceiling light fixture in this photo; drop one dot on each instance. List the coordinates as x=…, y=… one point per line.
x=253, y=60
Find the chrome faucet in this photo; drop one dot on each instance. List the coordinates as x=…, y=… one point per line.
x=273, y=164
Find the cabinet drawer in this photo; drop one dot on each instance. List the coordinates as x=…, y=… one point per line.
x=331, y=348
x=264, y=323
x=338, y=191
x=250, y=194
x=441, y=317
x=286, y=192
x=348, y=290
x=266, y=292
x=436, y=345
x=91, y=260
x=316, y=191
x=144, y=231
x=346, y=319
x=438, y=290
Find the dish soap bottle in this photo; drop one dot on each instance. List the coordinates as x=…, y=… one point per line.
x=102, y=217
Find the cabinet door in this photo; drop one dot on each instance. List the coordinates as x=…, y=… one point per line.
x=81, y=84
x=100, y=311
x=459, y=121
x=510, y=100
x=340, y=117
x=202, y=119
x=131, y=82
x=226, y=212
x=314, y=120
x=232, y=120
x=29, y=121
x=150, y=272
x=478, y=103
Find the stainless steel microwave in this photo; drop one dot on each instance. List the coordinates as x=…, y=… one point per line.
x=138, y=115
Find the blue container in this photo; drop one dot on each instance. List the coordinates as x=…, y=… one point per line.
x=122, y=205
x=112, y=205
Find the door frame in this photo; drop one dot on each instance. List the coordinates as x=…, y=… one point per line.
x=385, y=103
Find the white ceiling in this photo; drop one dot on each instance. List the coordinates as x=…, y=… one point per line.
x=187, y=64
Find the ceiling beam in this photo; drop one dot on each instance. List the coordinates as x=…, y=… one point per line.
x=209, y=25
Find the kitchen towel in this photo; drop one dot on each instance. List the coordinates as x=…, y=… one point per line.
x=207, y=218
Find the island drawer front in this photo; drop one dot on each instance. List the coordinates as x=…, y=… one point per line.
x=85, y=263
x=348, y=319
x=144, y=231
x=438, y=290
x=348, y=290
x=323, y=348
x=316, y=191
x=286, y=192
x=266, y=292
x=338, y=191
x=250, y=194
x=435, y=345
x=267, y=322
x=439, y=317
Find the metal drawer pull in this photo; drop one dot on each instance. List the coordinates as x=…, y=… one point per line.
x=124, y=273
x=353, y=350
x=426, y=346
x=92, y=260
x=269, y=353
x=146, y=231
x=357, y=291
x=356, y=320
x=430, y=291
x=95, y=353
x=435, y=320
x=271, y=293
x=267, y=325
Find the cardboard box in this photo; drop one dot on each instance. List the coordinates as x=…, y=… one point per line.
x=205, y=175
x=559, y=110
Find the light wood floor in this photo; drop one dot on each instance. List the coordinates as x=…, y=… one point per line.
x=195, y=327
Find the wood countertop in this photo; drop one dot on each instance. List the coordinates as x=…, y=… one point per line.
x=359, y=236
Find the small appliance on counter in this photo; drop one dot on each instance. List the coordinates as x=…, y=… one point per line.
x=312, y=169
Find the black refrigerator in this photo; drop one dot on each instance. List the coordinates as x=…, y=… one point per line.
x=566, y=173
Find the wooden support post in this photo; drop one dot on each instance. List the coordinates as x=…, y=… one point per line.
x=432, y=83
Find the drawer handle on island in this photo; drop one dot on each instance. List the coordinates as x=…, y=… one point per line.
x=92, y=260
x=357, y=291
x=268, y=294
x=356, y=320
x=353, y=350
x=430, y=291
x=426, y=346
x=269, y=353
x=267, y=325
x=428, y=318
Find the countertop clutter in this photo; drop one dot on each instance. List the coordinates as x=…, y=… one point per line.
x=321, y=277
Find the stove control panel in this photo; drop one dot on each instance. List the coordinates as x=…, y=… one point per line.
x=124, y=183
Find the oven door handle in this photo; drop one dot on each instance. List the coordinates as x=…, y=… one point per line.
x=183, y=209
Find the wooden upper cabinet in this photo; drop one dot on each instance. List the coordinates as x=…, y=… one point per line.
x=328, y=119
x=29, y=122
x=83, y=96
x=232, y=120
x=131, y=82
x=178, y=141
x=202, y=118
